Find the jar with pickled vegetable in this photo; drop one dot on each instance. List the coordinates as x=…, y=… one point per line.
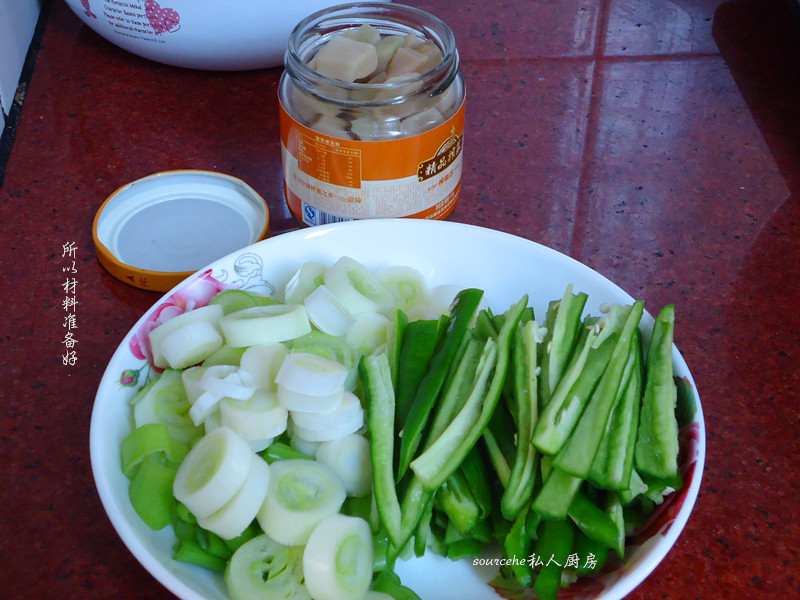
x=371, y=115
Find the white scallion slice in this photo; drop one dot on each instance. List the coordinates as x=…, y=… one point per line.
x=326, y=312
x=192, y=382
x=213, y=471
x=345, y=419
x=203, y=407
x=301, y=445
x=212, y=422
x=263, y=362
x=305, y=280
x=311, y=374
x=369, y=332
x=265, y=324
x=228, y=381
x=263, y=569
x=406, y=283
x=299, y=402
x=349, y=456
x=337, y=560
x=357, y=288
x=258, y=418
x=190, y=344
x=233, y=518
x=211, y=314
x=259, y=445
x=301, y=493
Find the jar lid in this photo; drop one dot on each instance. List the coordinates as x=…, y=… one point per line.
x=156, y=231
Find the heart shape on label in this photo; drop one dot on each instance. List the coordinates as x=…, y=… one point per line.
x=162, y=19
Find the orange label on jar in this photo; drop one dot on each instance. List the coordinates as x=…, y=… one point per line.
x=328, y=179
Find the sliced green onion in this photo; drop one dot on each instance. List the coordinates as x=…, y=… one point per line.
x=368, y=333
x=337, y=560
x=233, y=300
x=263, y=362
x=190, y=344
x=263, y=569
x=327, y=312
x=213, y=471
x=349, y=456
x=265, y=324
x=192, y=382
x=311, y=374
x=258, y=418
x=346, y=418
x=211, y=314
x=234, y=517
x=305, y=280
x=357, y=288
x=406, y=284
x=301, y=493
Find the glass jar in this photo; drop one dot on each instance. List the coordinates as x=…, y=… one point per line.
x=380, y=146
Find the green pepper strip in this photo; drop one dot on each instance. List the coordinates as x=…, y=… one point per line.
x=463, y=311
x=150, y=492
x=592, y=520
x=377, y=377
x=657, y=444
x=523, y=472
x=613, y=464
x=593, y=554
x=580, y=449
x=567, y=403
x=616, y=513
x=394, y=344
x=474, y=471
x=563, y=323
x=445, y=454
x=418, y=345
x=553, y=500
x=553, y=546
x=456, y=500
x=517, y=545
x=281, y=451
x=388, y=582
x=192, y=552
x=152, y=437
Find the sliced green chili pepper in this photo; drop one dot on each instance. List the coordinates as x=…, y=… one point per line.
x=418, y=345
x=613, y=463
x=463, y=311
x=592, y=520
x=517, y=546
x=445, y=454
x=577, y=454
x=553, y=500
x=563, y=323
x=149, y=438
x=555, y=542
x=570, y=398
x=523, y=471
x=657, y=444
x=150, y=491
x=377, y=377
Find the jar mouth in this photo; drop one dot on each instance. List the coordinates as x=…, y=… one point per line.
x=315, y=30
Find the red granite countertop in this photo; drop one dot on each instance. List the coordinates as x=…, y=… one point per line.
x=657, y=142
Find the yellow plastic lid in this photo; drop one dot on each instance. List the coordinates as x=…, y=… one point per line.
x=156, y=231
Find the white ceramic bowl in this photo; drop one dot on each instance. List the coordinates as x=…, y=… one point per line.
x=503, y=265
x=214, y=35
